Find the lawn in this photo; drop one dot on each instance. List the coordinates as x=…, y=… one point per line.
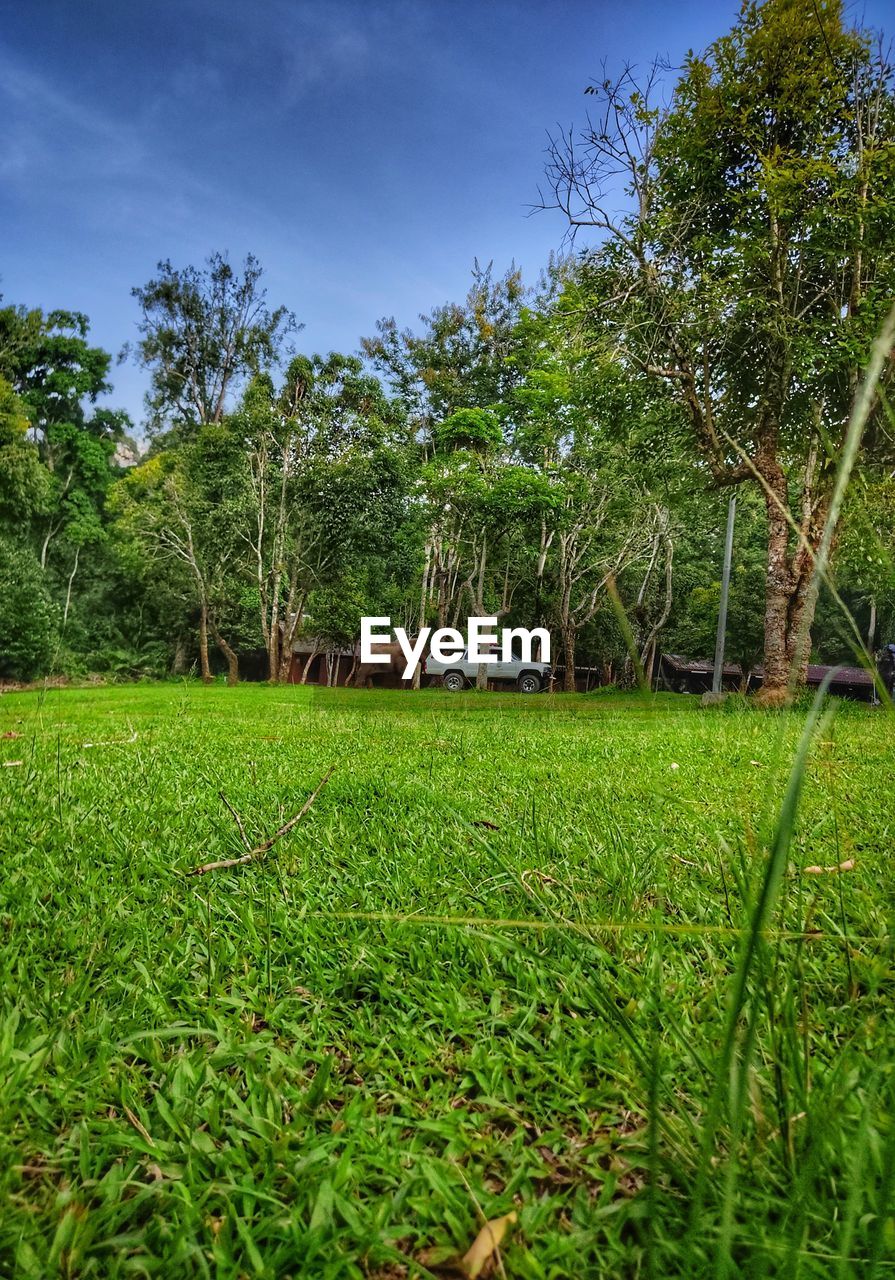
x=503, y=963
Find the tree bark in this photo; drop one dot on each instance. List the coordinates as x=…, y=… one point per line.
x=229, y=654
x=203, y=643
x=285, y=665
x=871, y=626
x=273, y=651
x=568, y=645
x=787, y=622
x=307, y=667
x=294, y=612
x=481, y=674
x=180, y=665
x=71, y=578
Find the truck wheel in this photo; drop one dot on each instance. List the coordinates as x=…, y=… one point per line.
x=529, y=682
x=453, y=681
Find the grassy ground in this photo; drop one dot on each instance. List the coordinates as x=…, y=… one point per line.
x=243, y=1074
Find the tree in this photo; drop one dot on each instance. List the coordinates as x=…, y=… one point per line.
x=189, y=508
x=483, y=508
x=24, y=483
x=28, y=616
x=462, y=359
x=57, y=378
x=754, y=261
x=578, y=420
x=456, y=379
x=322, y=457
x=204, y=332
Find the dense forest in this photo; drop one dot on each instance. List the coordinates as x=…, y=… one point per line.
x=555, y=452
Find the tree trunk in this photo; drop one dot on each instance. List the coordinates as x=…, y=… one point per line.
x=778, y=587
x=180, y=665
x=481, y=672
x=229, y=654
x=416, y=679
x=203, y=644
x=568, y=646
x=71, y=578
x=787, y=623
x=273, y=651
x=307, y=667
x=294, y=612
x=285, y=666
x=871, y=626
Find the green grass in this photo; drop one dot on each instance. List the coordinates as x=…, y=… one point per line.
x=243, y=1074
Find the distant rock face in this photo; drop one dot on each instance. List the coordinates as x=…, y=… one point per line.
x=125, y=455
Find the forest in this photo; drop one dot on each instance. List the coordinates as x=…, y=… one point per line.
x=556, y=452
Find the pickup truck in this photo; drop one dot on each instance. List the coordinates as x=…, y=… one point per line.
x=528, y=677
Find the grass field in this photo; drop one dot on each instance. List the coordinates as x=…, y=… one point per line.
x=503, y=963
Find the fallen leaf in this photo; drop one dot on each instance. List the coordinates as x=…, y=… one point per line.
x=483, y=822
x=847, y=865
x=10, y=733
x=486, y=1244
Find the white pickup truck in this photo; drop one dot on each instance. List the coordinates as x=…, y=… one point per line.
x=528, y=677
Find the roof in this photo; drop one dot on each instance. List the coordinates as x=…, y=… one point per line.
x=311, y=644
x=844, y=675
x=700, y=666
x=855, y=676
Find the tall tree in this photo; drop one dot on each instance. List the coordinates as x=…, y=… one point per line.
x=24, y=483
x=58, y=377
x=753, y=262
x=578, y=418
x=456, y=378
x=204, y=332
x=462, y=357
x=321, y=453
x=187, y=511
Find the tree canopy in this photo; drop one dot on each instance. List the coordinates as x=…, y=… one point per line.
x=544, y=452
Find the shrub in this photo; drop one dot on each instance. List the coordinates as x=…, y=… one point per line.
x=29, y=619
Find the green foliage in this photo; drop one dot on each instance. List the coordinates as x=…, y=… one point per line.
x=476, y=429
x=747, y=259
x=29, y=619
x=692, y=626
x=25, y=485
x=463, y=359
x=204, y=331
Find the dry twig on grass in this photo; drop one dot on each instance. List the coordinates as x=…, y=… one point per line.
x=236, y=818
x=265, y=847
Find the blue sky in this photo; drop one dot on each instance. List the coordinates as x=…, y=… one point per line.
x=365, y=150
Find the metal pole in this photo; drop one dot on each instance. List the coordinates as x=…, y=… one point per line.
x=725, y=591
